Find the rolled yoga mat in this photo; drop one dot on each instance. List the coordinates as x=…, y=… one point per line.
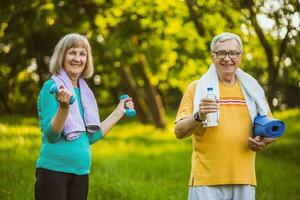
x=268, y=127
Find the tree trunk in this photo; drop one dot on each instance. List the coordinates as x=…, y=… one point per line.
x=4, y=98
x=191, y=4
x=272, y=70
x=154, y=99
x=139, y=104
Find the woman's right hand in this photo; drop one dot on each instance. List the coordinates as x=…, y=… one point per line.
x=63, y=97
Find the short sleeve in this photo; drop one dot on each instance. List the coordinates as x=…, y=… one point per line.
x=94, y=137
x=187, y=102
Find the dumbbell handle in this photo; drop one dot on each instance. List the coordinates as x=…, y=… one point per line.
x=129, y=112
x=54, y=90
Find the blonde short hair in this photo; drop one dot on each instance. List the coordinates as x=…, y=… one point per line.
x=69, y=41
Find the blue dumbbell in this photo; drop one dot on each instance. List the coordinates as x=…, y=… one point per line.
x=54, y=90
x=128, y=111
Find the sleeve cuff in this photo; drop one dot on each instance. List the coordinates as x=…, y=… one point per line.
x=181, y=117
x=51, y=134
x=94, y=137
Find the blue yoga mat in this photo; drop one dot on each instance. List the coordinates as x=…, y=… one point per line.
x=268, y=127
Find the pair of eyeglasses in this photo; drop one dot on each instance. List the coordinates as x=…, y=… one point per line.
x=223, y=54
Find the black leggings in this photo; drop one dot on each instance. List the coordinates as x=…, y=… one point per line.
x=52, y=185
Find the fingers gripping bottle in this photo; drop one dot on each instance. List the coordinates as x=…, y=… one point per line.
x=211, y=118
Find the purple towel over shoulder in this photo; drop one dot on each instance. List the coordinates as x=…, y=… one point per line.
x=74, y=124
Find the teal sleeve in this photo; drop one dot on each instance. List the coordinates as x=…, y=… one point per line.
x=47, y=108
x=94, y=137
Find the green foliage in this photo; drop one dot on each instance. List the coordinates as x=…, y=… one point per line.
x=123, y=32
x=141, y=162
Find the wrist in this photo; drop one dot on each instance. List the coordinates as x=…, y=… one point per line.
x=118, y=113
x=64, y=106
x=198, y=117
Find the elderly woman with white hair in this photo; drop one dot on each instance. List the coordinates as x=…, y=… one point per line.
x=69, y=120
x=223, y=159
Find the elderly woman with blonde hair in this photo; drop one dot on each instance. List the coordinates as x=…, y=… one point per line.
x=69, y=128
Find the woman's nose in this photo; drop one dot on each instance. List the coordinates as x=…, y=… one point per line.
x=76, y=57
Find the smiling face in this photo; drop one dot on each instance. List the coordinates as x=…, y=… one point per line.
x=226, y=67
x=75, y=62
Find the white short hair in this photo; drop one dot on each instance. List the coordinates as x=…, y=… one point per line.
x=226, y=36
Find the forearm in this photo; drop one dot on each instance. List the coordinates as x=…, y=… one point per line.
x=59, y=119
x=110, y=121
x=186, y=127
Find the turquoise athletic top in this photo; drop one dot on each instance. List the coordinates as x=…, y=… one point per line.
x=57, y=153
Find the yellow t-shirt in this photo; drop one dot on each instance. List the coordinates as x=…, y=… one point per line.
x=221, y=154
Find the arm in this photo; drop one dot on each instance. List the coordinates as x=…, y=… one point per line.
x=258, y=143
x=186, y=127
x=63, y=97
x=106, y=126
x=115, y=116
x=59, y=119
x=189, y=125
x=48, y=108
x=110, y=121
x=185, y=124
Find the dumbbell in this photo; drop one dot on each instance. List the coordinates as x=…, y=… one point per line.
x=54, y=90
x=128, y=111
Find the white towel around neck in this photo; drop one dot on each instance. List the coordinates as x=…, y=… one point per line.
x=253, y=92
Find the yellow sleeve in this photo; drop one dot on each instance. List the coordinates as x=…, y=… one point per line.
x=187, y=102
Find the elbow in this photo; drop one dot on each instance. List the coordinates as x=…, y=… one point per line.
x=52, y=139
x=178, y=133
x=179, y=137
x=51, y=134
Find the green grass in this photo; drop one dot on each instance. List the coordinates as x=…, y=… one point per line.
x=278, y=165
x=140, y=162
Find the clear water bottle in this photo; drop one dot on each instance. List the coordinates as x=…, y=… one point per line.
x=211, y=118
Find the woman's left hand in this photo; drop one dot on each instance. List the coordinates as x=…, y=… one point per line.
x=124, y=103
x=129, y=103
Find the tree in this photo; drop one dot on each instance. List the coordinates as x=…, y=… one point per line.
x=276, y=41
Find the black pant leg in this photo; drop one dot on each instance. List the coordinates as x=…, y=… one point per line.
x=78, y=187
x=50, y=185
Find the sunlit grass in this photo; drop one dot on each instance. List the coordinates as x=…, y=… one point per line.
x=137, y=139
x=19, y=133
x=141, y=162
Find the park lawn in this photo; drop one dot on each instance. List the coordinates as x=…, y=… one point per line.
x=141, y=162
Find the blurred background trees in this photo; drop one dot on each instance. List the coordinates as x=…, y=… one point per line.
x=150, y=49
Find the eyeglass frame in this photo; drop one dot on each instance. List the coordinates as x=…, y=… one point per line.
x=227, y=53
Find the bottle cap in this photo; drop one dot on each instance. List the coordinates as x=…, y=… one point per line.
x=210, y=88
